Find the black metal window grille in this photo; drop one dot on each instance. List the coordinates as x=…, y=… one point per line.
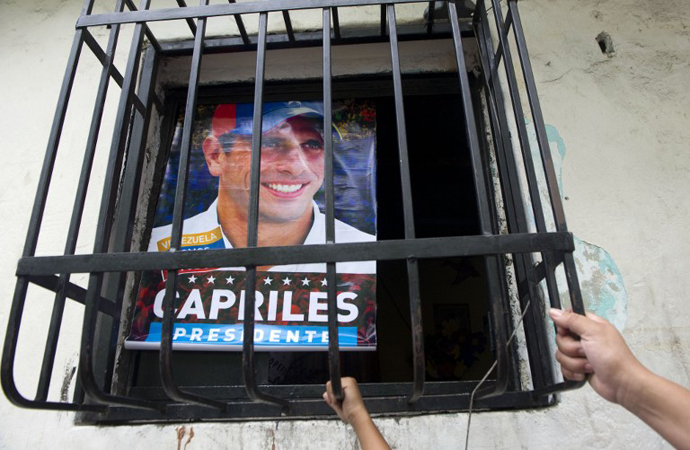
x=535, y=255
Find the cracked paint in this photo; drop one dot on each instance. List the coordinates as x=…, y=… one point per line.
x=603, y=290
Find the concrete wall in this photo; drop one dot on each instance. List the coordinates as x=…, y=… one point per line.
x=624, y=127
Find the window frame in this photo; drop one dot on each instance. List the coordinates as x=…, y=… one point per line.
x=115, y=257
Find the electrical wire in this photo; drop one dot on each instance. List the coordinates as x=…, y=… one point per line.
x=493, y=366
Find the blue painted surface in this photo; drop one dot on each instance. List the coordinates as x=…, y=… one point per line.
x=603, y=290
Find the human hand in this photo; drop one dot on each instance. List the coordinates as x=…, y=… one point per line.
x=600, y=350
x=353, y=412
x=352, y=407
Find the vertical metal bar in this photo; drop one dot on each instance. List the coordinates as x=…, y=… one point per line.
x=86, y=357
x=538, y=117
x=408, y=212
x=77, y=211
x=54, y=139
x=149, y=35
x=517, y=221
x=383, y=20
x=543, y=141
x=288, y=26
x=430, y=18
x=19, y=299
x=130, y=191
x=165, y=354
x=333, y=337
x=9, y=354
x=336, y=23
x=493, y=265
x=240, y=26
x=248, y=365
x=551, y=285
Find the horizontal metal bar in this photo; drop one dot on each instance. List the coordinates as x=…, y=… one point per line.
x=360, y=251
x=348, y=36
x=222, y=10
x=77, y=293
x=316, y=407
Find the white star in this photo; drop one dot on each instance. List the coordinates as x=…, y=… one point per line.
x=211, y=279
x=230, y=280
x=324, y=282
x=286, y=281
x=267, y=281
x=305, y=281
x=192, y=279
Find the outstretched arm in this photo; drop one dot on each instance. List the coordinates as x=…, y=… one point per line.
x=353, y=411
x=618, y=376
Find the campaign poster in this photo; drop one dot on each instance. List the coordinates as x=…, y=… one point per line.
x=291, y=300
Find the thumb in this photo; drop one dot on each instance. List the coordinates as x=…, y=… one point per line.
x=571, y=321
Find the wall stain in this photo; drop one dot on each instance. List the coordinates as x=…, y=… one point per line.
x=70, y=370
x=181, y=433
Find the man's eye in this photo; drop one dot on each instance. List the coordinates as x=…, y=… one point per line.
x=313, y=145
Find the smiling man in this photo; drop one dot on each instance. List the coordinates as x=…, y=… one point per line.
x=292, y=172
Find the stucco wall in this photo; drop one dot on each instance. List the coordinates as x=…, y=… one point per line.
x=623, y=120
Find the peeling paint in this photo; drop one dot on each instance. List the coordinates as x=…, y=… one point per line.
x=603, y=290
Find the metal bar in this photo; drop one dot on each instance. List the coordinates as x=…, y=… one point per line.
x=349, y=36
x=336, y=23
x=190, y=22
x=288, y=26
x=224, y=10
x=78, y=210
x=543, y=141
x=73, y=292
x=19, y=298
x=86, y=357
x=9, y=354
x=354, y=251
x=333, y=343
x=532, y=182
x=165, y=354
x=508, y=22
x=430, y=18
x=517, y=222
x=312, y=407
x=240, y=26
x=149, y=35
x=248, y=366
x=121, y=242
x=117, y=76
x=383, y=20
x=493, y=265
x=419, y=363
x=101, y=55
x=537, y=115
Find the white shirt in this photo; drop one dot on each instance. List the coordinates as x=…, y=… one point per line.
x=203, y=232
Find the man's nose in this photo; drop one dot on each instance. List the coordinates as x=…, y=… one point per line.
x=291, y=158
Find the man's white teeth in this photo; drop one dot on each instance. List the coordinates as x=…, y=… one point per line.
x=285, y=188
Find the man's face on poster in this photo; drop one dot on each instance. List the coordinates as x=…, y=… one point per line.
x=292, y=169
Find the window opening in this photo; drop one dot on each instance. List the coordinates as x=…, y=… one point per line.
x=421, y=243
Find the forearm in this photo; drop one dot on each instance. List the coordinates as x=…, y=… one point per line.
x=369, y=436
x=662, y=404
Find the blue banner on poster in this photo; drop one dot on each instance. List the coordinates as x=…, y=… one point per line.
x=264, y=335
